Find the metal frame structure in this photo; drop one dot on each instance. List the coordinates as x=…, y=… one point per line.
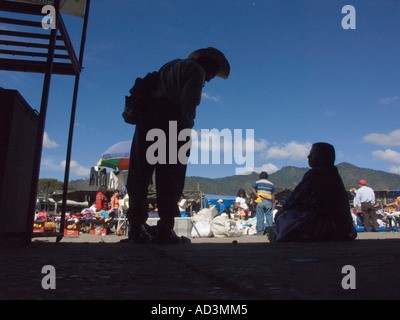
x=43, y=63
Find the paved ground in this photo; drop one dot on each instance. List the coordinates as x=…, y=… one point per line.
x=100, y=267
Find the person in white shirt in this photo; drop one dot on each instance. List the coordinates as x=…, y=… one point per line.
x=182, y=204
x=365, y=198
x=241, y=204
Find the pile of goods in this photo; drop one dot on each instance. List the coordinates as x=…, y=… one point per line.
x=72, y=226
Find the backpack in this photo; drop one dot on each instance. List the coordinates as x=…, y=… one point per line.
x=138, y=104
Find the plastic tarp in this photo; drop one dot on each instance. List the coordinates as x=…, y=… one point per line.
x=393, y=194
x=211, y=200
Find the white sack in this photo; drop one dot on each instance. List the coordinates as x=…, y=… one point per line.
x=201, y=229
x=222, y=227
x=201, y=222
x=206, y=214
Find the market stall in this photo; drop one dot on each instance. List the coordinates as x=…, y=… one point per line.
x=32, y=59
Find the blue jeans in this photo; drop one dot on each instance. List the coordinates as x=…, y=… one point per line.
x=264, y=208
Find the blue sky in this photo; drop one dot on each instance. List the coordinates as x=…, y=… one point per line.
x=297, y=77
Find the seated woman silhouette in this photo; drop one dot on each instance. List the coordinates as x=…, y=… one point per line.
x=318, y=209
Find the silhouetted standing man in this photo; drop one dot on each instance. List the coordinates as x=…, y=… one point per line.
x=179, y=89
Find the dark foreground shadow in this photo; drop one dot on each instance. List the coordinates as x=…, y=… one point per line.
x=249, y=271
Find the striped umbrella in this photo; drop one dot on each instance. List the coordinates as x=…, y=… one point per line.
x=117, y=156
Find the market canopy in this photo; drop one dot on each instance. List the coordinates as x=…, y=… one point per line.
x=117, y=156
x=393, y=194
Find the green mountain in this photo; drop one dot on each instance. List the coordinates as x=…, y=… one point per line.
x=285, y=178
x=289, y=177
x=378, y=180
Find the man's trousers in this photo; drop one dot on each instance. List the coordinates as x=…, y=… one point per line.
x=156, y=150
x=369, y=213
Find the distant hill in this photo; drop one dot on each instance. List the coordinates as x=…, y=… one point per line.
x=82, y=184
x=289, y=177
x=285, y=178
x=378, y=180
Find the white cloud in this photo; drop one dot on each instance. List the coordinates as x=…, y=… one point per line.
x=391, y=139
x=388, y=100
x=212, y=140
x=260, y=145
x=48, y=143
x=49, y=164
x=251, y=145
x=209, y=97
x=268, y=167
x=76, y=168
x=395, y=170
x=293, y=150
x=388, y=155
x=225, y=140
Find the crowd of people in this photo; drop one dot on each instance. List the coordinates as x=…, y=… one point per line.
x=260, y=204
x=103, y=209
x=318, y=209
x=108, y=209
x=188, y=208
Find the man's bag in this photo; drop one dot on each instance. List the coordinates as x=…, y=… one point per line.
x=138, y=103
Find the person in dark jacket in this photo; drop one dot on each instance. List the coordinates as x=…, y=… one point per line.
x=318, y=209
x=179, y=89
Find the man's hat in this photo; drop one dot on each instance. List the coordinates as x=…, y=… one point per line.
x=363, y=182
x=220, y=200
x=215, y=55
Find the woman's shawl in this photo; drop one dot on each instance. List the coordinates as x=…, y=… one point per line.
x=317, y=210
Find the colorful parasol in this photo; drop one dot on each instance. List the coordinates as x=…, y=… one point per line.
x=117, y=156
